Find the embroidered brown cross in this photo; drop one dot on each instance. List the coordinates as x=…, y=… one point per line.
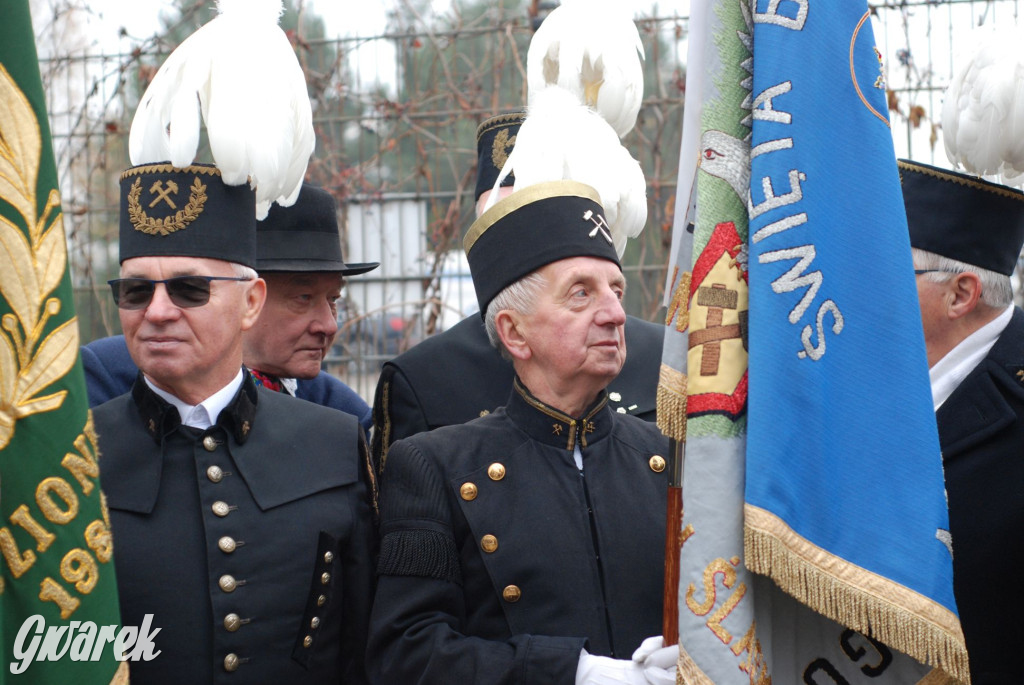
x=717, y=299
x=163, y=193
x=558, y=429
x=589, y=427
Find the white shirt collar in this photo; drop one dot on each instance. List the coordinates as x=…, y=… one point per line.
x=950, y=371
x=204, y=414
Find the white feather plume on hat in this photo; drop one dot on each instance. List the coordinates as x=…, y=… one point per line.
x=562, y=138
x=983, y=110
x=240, y=73
x=592, y=49
x=585, y=86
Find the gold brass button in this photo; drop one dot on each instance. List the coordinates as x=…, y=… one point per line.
x=220, y=508
x=468, y=492
x=489, y=543
x=227, y=583
x=511, y=593
x=231, y=663
x=321, y=600
x=328, y=557
x=227, y=544
x=209, y=443
x=495, y=471
x=215, y=474
x=307, y=641
x=325, y=578
x=314, y=623
x=657, y=463
x=232, y=622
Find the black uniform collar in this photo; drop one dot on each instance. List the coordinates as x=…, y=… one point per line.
x=546, y=424
x=160, y=418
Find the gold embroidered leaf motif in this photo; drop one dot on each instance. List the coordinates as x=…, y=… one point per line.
x=55, y=358
x=18, y=282
x=51, y=257
x=20, y=145
x=8, y=372
x=8, y=381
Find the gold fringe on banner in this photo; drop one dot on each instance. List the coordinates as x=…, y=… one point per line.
x=895, y=615
x=672, y=403
x=121, y=675
x=688, y=672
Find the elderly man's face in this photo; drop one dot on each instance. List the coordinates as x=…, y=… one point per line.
x=576, y=331
x=189, y=351
x=297, y=325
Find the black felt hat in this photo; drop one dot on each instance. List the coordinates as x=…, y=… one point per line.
x=188, y=212
x=494, y=140
x=304, y=237
x=963, y=217
x=533, y=227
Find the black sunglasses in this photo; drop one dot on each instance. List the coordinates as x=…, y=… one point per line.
x=184, y=291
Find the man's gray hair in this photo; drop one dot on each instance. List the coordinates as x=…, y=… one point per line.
x=996, y=290
x=520, y=297
x=243, y=271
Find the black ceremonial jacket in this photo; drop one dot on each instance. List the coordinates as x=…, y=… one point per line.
x=457, y=376
x=251, y=542
x=500, y=560
x=981, y=431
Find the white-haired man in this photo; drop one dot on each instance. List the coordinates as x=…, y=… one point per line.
x=527, y=546
x=967, y=235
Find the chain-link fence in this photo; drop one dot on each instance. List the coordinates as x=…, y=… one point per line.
x=396, y=115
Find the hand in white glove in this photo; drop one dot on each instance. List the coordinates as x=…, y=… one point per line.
x=603, y=670
x=659, y=663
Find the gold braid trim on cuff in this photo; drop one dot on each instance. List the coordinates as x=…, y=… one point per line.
x=671, y=410
x=901, y=618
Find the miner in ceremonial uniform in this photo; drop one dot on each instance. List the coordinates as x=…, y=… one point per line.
x=966, y=235
x=298, y=254
x=241, y=517
x=457, y=375
x=526, y=546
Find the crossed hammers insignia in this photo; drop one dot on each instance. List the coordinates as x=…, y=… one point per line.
x=600, y=225
x=163, y=193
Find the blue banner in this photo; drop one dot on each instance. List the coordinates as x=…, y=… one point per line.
x=845, y=506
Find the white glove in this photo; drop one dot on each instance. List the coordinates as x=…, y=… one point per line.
x=603, y=670
x=659, y=663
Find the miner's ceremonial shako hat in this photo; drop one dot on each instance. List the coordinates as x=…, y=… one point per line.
x=533, y=227
x=186, y=212
x=963, y=217
x=494, y=140
x=304, y=237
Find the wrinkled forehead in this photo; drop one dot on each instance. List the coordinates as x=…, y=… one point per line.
x=313, y=280
x=583, y=269
x=168, y=267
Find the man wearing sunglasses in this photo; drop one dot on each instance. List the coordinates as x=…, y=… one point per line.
x=242, y=517
x=966, y=235
x=299, y=256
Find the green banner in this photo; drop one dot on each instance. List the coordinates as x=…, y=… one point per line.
x=57, y=586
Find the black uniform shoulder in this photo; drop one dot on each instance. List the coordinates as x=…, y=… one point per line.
x=463, y=446
x=640, y=434
x=455, y=375
x=634, y=390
